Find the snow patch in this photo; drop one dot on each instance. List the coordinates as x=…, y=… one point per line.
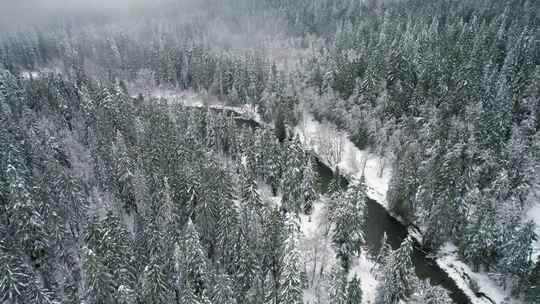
x=462, y=274
x=336, y=150
x=320, y=257
x=189, y=98
x=363, y=267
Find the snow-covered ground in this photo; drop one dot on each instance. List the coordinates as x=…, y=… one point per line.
x=320, y=256
x=533, y=214
x=335, y=149
x=192, y=99
x=34, y=74
x=463, y=275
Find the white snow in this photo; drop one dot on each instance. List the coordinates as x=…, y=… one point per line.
x=35, y=74
x=30, y=74
x=336, y=149
x=462, y=274
x=188, y=98
x=320, y=256
x=363, y=267
x=533, y=214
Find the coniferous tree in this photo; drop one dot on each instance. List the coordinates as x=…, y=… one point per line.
x=222, y=291
x=290, y=280
x=398, y=275
x=155, y=288
x=429, y=294
x=338, y=291
x=190, y=263
x=532, y=292
x=354, y=291
x=347, y=214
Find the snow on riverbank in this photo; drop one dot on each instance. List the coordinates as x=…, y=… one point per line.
x=534, y=215
x=320, y=257
x=463, y=275
x=192, y=99
x=336, y=150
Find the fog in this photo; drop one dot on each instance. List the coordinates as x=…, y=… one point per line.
x=16, y=14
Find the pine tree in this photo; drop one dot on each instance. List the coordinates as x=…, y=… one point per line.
x=291, y=279
x=338, y=290
x=99, y=283
x=398, y=274
x=222, y=291
x=347, y=214
x=516, y=254
x=273, y=250
x=429, y=294
x=155, y=288
x=110, y=250
x=292, y=180
x=309, y=185
x=532, y=292
x=247, y=267
x=190, y=261
x=384, y=250
x=12, y=279
x=124, y=174
x=354, y=291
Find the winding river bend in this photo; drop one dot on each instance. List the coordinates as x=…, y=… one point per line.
x=377, y=222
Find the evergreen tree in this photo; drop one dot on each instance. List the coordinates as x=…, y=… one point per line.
x=429, y=294
x=398, y=274
x=339, y=289
x=291, y=281
x=516, y=254
x=347, y=214
x=309, y=184
x=354, y=291
x=190, y=261
x=532, y=292
x=155, y=288
x=100, y=285
x=222, y=291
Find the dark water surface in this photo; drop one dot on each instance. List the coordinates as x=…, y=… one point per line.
x=377, y=222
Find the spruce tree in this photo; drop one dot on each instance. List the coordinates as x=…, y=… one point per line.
x=222, y=291
x=291, y=280
x=190, y=262
x=155, y=288
x=347, y=214
x=354, y=291
x=398, y=274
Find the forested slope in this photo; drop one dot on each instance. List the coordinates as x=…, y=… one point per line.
x=446, y=91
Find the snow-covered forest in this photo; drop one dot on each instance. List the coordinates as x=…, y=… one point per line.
x=270, y=152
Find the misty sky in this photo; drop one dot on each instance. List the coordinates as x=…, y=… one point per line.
x=17, y=13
